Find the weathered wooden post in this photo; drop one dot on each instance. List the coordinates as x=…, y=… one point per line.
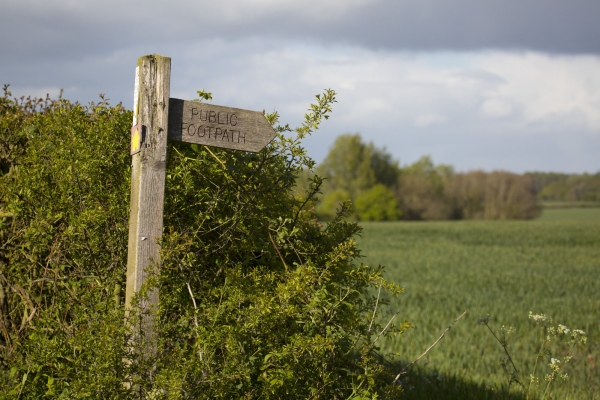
x=157, y=117
x=149, y=151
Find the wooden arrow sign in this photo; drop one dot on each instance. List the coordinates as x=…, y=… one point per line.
x=211, y=125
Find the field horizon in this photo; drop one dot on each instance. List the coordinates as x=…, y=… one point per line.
x=570, y=214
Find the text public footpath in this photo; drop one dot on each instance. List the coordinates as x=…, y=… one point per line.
x=213, y=125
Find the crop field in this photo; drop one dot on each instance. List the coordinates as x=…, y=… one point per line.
x=504, y=269
x=571, y=214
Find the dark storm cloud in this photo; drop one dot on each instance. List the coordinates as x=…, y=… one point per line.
x=555, y=26
x=51, y=29
x=438, y=77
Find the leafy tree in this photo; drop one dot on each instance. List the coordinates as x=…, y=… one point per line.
x=555, y=191
x=494, y=195
x=421, y=188
x=384, y=167
x=430, y=192
x=572, y=188
x=347, y=166
x=351, y=168
x=257, y=299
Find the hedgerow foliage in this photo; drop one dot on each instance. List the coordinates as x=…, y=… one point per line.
x=257, y=299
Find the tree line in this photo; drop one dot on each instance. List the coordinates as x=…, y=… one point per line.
x=567, y=188
x=380, y=189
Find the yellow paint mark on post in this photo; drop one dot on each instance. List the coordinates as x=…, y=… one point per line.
x=136, y=139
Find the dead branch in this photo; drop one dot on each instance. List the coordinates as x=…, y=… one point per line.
x=430, y=347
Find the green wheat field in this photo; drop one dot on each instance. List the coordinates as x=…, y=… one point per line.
x=505, y=269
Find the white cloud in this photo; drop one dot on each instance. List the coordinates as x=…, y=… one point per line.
x=497, y=108
x=426, y=120
x=546, y=89
x=469, y=109
x=511, y=110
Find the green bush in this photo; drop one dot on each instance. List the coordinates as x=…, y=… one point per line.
x=64, y=188
x=377, y=204
x=257, y=299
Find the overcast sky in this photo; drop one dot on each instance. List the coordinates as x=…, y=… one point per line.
x=478, y=84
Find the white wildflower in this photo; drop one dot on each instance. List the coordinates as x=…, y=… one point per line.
x=554, y=366
x=538, y=317
x=578, y=337
x=563, y=329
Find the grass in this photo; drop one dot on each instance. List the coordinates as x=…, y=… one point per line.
x=502, y=268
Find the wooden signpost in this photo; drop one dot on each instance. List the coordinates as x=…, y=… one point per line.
x=156, y=118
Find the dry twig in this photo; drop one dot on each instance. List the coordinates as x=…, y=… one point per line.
x=430, y=347
x=385, y=328
x=375, y=309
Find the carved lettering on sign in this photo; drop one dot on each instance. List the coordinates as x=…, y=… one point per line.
x=220, y=126
x=221, y=118
x=211, y=132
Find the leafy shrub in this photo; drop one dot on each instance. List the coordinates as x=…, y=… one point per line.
x=257, y=299
x=64, y=189
x=377, y=204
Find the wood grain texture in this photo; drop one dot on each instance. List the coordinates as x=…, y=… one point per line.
x=219, y=126
x=148, y=182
